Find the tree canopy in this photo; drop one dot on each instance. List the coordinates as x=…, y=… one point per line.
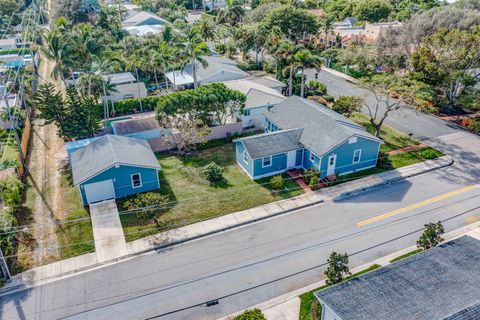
x=294, y=23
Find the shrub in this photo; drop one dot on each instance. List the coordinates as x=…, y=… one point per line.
x=254, y=314
x=309, y=174
x=472, y=125
x=314, y=181
x=315, y=87
x=431, y=236
x=319, y=99
x=147, y=204
x=11, y=191
x=428, y=154
x=347, y=105
x=213, y=172
x=384, y=161
x=250, y=66
x=277, y=182
x=329, y=99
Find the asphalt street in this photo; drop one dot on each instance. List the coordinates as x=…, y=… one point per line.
x=254, y=263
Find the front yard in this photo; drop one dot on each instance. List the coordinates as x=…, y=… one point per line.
x=193, y=198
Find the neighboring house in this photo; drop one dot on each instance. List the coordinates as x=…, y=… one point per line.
x=348, y=22
x=145, y=127
x=127, y=91
x=442, y=283
x=270, y=82
x=259, y=99
x=121, y=78
x=374, y=30
x=113, y=167
x=12, y=61
x=142, y=23
x=6, y=44
x=219, y=69
x=303, y=134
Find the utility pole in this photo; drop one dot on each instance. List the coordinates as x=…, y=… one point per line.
x=138, y=85
x=4, y=267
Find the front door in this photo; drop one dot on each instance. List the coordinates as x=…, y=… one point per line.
x=291, y=159
x=332, y=160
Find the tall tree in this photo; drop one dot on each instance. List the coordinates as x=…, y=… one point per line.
x=372, y=10
x=193, y=49
x=57, y=49
x=295, y=23
x=232, y=12
x=431, y=236
x=305, y=59
x=337, y=268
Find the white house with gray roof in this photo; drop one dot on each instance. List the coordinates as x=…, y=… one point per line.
x=259, y=99
x=300, y=133
x=442, y=283
x=112, y=167
x=218, y=69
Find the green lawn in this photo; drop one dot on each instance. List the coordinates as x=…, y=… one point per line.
x=194, y=198
x=78, y=233
x=394, y=139
x=406, y=255
x=310, y=308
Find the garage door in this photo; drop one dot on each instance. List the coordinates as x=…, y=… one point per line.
x=99, y=191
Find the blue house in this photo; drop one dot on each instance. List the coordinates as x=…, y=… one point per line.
x=300, y=133
x=113, y=167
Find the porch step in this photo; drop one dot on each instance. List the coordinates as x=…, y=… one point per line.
x=297, y=176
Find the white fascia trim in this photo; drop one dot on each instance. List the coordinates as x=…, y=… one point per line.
x=269, y=174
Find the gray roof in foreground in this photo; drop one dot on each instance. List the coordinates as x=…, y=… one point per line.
x=323, y=129
x=108, y=151
x=267, y=144
x=438, y=284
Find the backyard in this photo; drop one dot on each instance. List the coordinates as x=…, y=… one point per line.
x=193, y=198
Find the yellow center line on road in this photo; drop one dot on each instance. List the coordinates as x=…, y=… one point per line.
x=417, y=205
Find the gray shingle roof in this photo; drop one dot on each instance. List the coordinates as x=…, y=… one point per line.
x=121, y=78
x=268, y=82
x=141, y=17
x=440, y=283
x=135, y=125
x=257, y=95
x=323, y=129
x=215, y=64
x=267, y=144
x=108, y=151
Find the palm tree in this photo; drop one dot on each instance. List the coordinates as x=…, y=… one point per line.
x=305, y=59
x=162, y=59
x=56, y=48
x=193, y=49
x=286, y=51
x=232, y=12
x=207, y=28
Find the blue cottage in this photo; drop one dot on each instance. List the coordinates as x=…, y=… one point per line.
x=300, y=133
x=114, y=167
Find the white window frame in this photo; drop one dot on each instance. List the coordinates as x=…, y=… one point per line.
x=263, y=162
x=359, y=155
x=245, y=156
x=140, y=178
x=312, y=157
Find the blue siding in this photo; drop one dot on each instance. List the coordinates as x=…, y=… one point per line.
x=240, y=151
x=344, y=152
x=307, y=163
x=279, y=163
x=299, y=158
x=122, y=182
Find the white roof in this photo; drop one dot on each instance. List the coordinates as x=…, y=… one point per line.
x=139, y=18
x=140, y=31
x=257, y=95
x=121, y=78
x=179, y=78
x=9, y=41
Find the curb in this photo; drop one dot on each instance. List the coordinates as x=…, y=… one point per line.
x=160, y=247
x=393, y=180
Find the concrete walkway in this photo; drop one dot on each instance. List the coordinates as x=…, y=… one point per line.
x=107, y=231
x=111, y=245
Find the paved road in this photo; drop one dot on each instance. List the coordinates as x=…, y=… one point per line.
x=405, y=120
x=254, y=263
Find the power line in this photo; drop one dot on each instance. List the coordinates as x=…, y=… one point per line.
x=320, y=244
x=167, y=205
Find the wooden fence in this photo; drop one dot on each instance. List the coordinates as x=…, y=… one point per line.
x=25, y=142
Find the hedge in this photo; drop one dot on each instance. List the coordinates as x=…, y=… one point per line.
x=130, y=106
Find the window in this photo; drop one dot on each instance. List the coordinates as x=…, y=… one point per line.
x=331, y=160
x=356, y=155
x=245, y=157
x=246, y=112
x=266, y=161
x=136, y=180
x=312, y=157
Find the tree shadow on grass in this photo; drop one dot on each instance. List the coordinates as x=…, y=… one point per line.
x=222, y=184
